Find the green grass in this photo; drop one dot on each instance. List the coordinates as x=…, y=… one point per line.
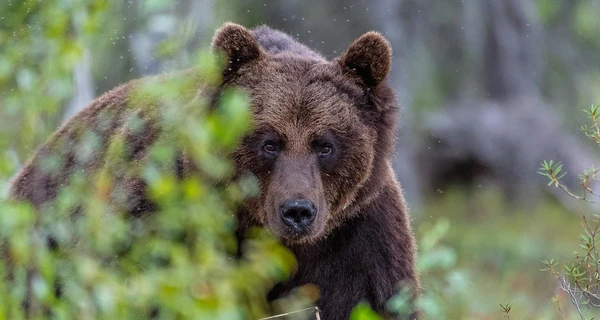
x=498, y=252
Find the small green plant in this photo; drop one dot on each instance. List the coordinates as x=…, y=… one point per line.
x=362, y=311
x=554, y=170
x=506, y=310
x=592, y=130
x=580, y=279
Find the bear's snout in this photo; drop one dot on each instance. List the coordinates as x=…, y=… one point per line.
x=298, y=214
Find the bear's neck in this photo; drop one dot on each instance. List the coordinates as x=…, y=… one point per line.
x=382, y=177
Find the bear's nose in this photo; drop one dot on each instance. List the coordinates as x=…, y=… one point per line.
x=298, y=214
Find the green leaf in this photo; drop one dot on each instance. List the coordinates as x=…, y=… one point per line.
x=363, y=311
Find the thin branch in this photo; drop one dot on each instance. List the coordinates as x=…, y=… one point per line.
x=566, y=287
x=557, y=182
x=317, y=316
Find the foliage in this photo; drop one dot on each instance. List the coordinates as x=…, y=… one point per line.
x=41, y=42
x=363, y=311
x=444, y=285
x=553, y=170
x=177, y=262
x=496, y=251
x=580, y=279
x=81, y=256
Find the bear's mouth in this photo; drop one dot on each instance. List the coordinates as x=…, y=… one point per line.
x=296, y=238
x=292, y=235
x=295, y=234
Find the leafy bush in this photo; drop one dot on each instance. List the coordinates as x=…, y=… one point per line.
x=81, y=256
x=580, y=279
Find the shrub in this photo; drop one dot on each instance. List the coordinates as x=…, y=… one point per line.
x=81, y=256
x=579, y=279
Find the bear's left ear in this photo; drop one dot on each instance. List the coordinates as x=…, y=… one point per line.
x=237, y=44
x=369, y=58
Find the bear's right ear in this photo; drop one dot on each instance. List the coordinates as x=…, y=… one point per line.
x=237, y=44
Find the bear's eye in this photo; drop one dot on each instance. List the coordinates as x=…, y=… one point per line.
x=325, y=150
x=270, y=147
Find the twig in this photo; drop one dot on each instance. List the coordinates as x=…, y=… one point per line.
x=316, y=309
x=560, y=311
x=566, y=287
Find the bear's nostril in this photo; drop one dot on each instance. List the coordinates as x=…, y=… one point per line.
x=298, y=214
x=305, y=214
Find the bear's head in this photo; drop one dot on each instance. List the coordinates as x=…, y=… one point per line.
x=322, y=133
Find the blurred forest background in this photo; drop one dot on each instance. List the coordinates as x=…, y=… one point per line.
x=489, y=89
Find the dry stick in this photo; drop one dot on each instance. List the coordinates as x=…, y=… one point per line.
x=317, y=317
x=566, y=287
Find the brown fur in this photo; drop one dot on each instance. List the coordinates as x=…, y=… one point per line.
x=360, y=246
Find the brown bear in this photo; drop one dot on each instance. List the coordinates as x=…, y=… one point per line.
x=321, y=145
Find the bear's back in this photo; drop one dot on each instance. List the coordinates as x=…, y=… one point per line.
x=275, y=42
